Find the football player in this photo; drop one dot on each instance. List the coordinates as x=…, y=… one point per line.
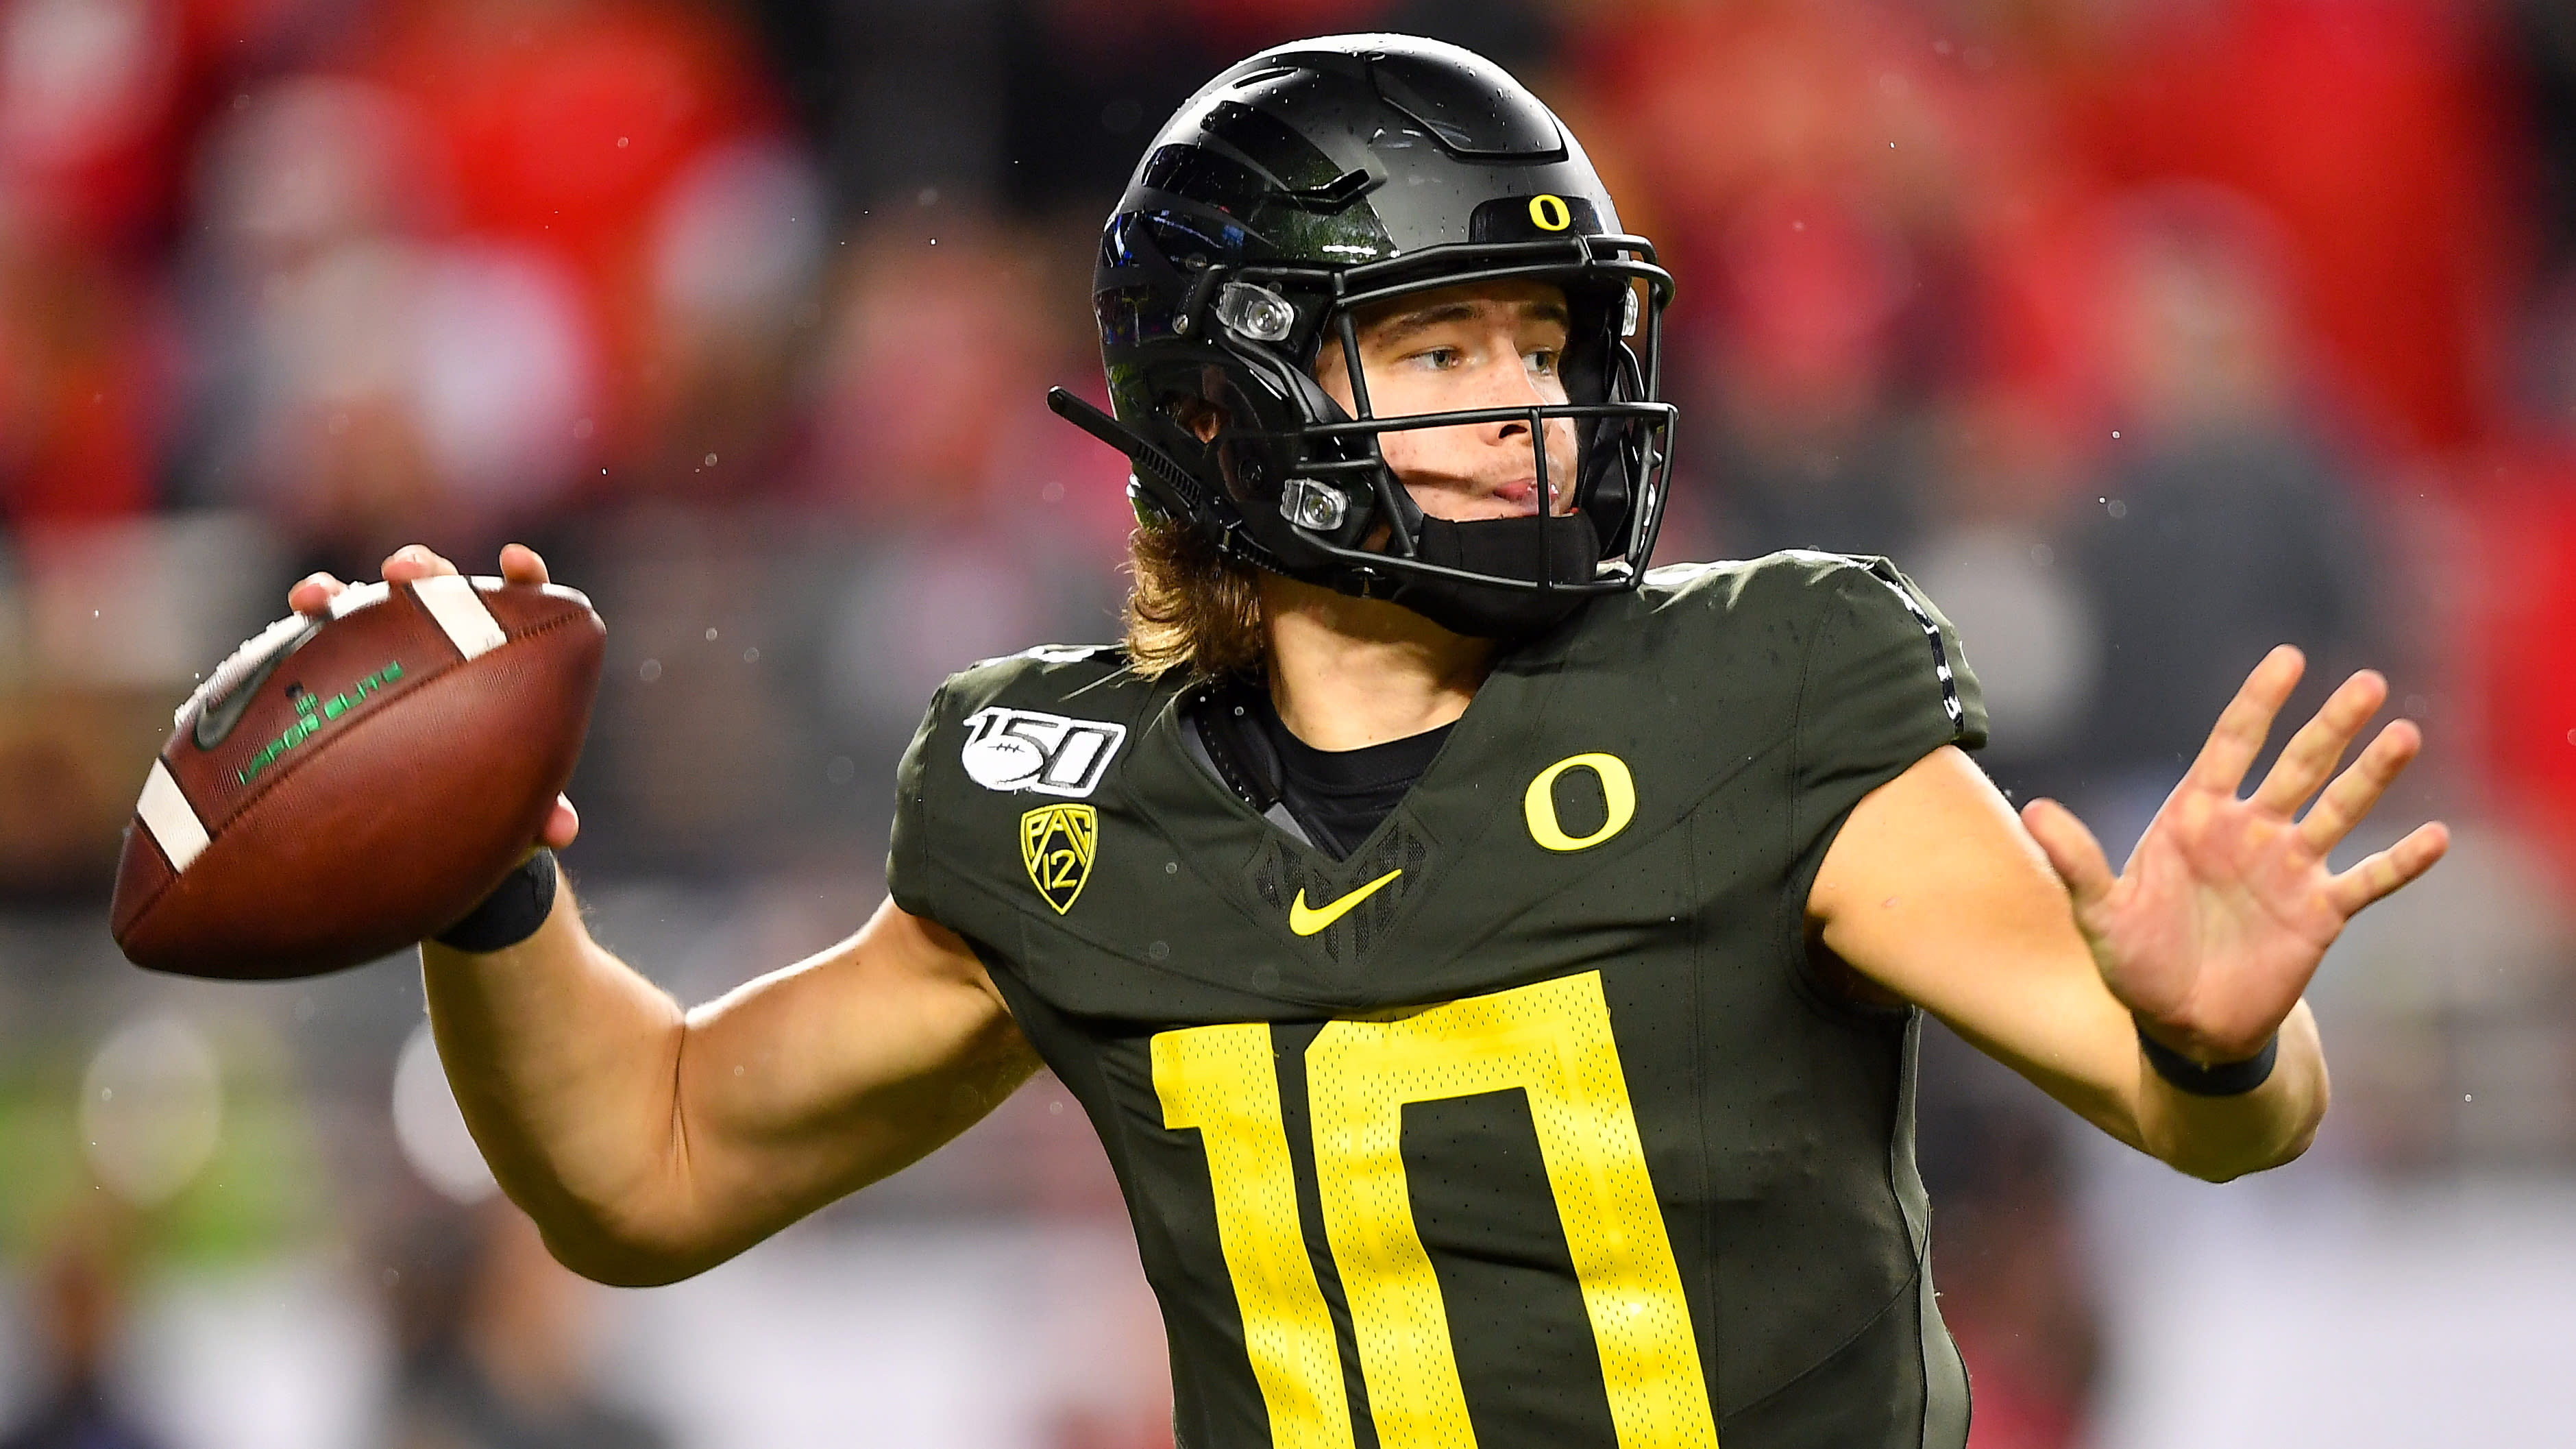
x=1493, y=967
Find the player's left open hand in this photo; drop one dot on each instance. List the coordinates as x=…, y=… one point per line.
x=2227, y=905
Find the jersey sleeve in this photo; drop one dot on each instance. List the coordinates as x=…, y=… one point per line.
x=911, y=879
x=1885, y=683
x=954, y=855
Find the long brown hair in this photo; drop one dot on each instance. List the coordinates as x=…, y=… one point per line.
x=1189, y=606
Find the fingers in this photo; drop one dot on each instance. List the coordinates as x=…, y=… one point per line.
x=414, y=561
x=2238, y=736
x=520, y=564
x=313, y=594
x=2311, y=753
x=2071, y=849
x=2358, y=789
x=2379, y=876
x=561, y=826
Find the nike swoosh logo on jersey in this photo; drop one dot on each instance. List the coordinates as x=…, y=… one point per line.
x=1306, y=920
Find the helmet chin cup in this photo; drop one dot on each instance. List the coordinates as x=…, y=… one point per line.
x=1533, y=547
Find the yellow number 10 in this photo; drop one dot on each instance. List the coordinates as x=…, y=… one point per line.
x=1552, y=1041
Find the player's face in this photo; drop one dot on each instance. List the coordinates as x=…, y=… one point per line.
x=1483, y=345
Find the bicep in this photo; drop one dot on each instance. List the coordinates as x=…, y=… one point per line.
x=1933, y=890
x=822, y=1077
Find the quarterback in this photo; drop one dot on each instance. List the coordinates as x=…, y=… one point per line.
x=1493, y=966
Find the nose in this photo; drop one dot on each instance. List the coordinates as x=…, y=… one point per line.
x=1511, y=386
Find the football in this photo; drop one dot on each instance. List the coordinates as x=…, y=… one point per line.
x=342, y=787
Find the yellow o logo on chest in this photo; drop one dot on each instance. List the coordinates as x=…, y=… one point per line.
x=1618, y=790
x=1550, y=213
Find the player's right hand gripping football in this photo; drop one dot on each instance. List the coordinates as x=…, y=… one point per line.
x=519, y=565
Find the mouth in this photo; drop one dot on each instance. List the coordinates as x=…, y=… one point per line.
x=1520, y=496
x=1467, y=500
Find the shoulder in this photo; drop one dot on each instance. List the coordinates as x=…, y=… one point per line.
x=1777, y=605
x=1792, y=583
x=1819, y=632
x=1049, y=674
x=1880, y=656
x=1049, y=719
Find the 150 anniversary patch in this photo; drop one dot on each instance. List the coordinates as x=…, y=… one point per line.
x=1048, y=754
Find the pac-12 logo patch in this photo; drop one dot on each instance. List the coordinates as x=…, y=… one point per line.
x=1022, y=749
x=1057, y=843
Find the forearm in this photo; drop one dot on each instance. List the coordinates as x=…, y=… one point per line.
x=2219, y=1138
x=648, y=1143
x=831, y=1074
x=564, y=1061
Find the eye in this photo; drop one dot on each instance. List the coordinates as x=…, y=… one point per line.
x=1438, y=359
x=1541, y=360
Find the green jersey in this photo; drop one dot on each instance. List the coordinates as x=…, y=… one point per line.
x=1525, y=1125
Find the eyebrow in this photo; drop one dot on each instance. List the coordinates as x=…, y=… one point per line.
x=1395, y=330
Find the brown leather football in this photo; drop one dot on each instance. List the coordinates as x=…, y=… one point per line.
x=341, y=788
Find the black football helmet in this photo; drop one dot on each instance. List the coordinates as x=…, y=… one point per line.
x=1327, y=176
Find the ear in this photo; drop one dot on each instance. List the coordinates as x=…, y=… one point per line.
x=1199, y=416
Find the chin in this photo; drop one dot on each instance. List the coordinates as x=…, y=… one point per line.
x=1486, y=506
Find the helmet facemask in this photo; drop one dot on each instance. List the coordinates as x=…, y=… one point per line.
x=1290, y=450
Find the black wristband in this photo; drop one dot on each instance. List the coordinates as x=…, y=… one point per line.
x=511, y=913
x=2225, y=1079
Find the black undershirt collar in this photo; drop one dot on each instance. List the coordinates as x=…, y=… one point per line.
x=1340, y=796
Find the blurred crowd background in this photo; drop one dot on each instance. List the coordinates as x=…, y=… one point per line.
x=2144, y=333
